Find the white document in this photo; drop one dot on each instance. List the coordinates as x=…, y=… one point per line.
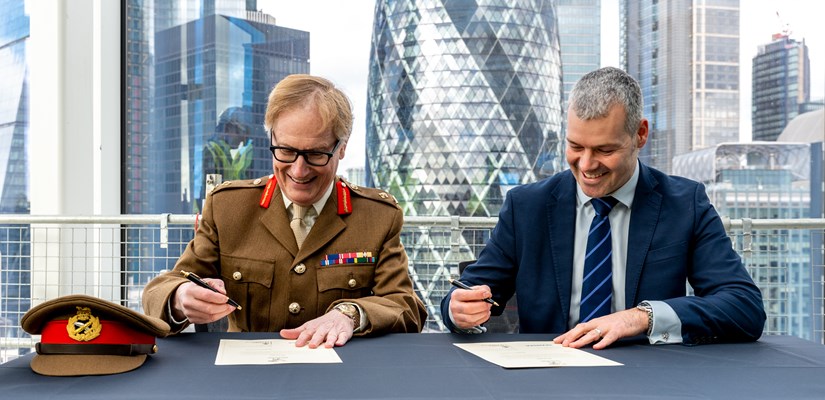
x=271, y=351
x=534, y=355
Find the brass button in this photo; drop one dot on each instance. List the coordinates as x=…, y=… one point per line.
x=294, y=308
x=257, y=181
x=237, y=275
x=352, y=282
x=383, y=195
x=300, y=269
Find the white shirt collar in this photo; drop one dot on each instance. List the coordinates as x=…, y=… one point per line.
x=318, y=205
x=624, y=194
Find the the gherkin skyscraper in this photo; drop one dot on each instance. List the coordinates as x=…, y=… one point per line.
x=464, y=102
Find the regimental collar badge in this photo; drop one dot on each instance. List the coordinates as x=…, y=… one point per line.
x=84, y=326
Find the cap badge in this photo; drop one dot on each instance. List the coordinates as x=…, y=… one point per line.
x=84, y=326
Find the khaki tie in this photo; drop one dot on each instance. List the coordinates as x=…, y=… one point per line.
x=299, y=227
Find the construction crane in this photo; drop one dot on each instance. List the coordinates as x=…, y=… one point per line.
x=784, y=28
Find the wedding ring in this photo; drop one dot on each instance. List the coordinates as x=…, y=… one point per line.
x=598, y=332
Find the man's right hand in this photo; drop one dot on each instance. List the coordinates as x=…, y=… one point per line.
x=200, y=305
x=468, y=308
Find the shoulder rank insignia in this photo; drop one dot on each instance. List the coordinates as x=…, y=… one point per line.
x=84, y=326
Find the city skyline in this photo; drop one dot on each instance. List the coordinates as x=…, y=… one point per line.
x=329, y=45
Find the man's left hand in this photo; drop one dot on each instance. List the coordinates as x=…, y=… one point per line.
x=603, y=331
x=331, y=329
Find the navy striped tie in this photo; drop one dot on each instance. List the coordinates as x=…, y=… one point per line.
x=597, y=285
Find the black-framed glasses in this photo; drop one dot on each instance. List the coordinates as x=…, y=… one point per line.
x=312, y=157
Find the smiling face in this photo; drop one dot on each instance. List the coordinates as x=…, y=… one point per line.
x=601, y=154
x=301, y=128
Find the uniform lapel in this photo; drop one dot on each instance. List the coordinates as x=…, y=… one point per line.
x=643, y=220
x=276, y=221
x=326, y=227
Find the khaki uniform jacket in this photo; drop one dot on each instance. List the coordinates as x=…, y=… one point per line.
x=253, y=250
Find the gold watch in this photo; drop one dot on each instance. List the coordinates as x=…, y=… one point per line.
x=351, y=311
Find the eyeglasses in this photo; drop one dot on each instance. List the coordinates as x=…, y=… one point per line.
x=312, y=157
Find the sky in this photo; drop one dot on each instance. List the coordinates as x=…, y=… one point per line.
x=341, y=31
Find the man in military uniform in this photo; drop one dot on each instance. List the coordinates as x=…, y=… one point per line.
x=300, y=251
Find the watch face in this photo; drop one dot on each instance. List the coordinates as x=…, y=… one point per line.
x=350, y=311
x=347, y=309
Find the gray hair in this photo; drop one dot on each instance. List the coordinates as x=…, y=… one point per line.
x=597, y=91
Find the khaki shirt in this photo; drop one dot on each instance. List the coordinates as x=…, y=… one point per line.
x=253, y=250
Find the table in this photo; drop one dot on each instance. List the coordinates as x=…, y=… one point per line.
x=427, y=366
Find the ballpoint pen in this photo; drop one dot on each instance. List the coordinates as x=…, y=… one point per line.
x=198, y=281
x=462, y=285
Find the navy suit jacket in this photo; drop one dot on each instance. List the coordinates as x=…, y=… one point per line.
x=676, y=236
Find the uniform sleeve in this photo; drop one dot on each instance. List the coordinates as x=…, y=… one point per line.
x=201, y=257
x=394, y=306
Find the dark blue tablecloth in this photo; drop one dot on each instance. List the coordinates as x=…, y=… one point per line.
x=428, y=366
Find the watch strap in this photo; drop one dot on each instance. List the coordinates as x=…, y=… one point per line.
x=646, y=307
x=351, y=311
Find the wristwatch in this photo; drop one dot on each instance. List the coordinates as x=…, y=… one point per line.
x=646, y=307
x=351, y=311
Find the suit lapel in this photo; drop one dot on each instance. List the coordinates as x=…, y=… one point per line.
x=644, y=217
x=561, y=218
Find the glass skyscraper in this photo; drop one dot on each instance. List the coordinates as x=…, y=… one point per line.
x=212, y=80
x=14, y=107
x=15, y=271
x=781, y=85
x=464, y=102
x=685, y=54
x=198, y=76
x=580, y=39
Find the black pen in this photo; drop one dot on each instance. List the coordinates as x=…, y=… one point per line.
x=198, y=281
x=462, y=285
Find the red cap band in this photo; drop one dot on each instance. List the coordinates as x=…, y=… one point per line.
x=111, y=332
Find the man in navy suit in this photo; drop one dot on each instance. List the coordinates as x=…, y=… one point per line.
x=664, y=233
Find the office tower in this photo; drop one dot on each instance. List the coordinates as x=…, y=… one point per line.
x=810, y=128
x=182, y=109
x=464, y=102
x=212, y=81
x=685, y=54
x=14, y=107
x=781, y=85
x=143, y=19
x=580, y=40
x=15, y=288
x=196, y=89
x=357, y=176
x=766, y=181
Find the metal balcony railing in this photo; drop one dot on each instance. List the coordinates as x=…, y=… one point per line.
x=113, y=257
